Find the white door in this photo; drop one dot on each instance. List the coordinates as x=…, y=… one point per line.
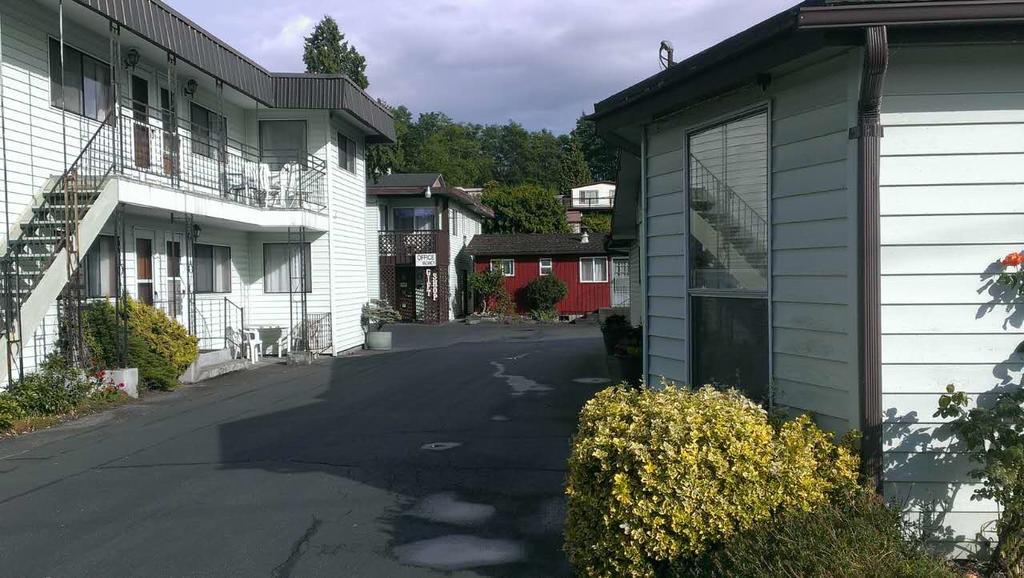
x=620, y=282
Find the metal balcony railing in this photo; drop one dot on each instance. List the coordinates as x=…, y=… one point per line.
x=157, y=147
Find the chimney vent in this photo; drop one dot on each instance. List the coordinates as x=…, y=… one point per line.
x=584, y=238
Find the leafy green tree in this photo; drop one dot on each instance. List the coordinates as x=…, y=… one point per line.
x=602, y=157
x=327, y=52
x=524, y=209
x=574, y=171
x=597, y=222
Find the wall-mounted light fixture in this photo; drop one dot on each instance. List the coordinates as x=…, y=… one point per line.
x=131, y=58
x=191, y=86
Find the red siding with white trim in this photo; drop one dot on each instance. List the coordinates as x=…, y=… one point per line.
x=582, y=298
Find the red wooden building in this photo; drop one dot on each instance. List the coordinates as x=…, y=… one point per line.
x=581, y=261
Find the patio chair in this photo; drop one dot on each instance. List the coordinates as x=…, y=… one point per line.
x=284, y=343
x=253, y=344
x=236, y=342
x=270, y=183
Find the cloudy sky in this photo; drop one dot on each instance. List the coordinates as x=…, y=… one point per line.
x=538, y=62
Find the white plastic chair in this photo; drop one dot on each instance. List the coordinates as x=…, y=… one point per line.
x=253, y=344
x=236, y=343
x=284, y=343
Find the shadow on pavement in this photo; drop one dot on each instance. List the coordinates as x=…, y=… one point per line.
x=456, y=456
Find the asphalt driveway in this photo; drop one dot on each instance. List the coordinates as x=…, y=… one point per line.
x=446, y=457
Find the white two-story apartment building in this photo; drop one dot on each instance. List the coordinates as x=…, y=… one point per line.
x=142, y=153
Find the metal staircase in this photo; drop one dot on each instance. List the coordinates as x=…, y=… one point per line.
x=740, y=228
x=40, y=262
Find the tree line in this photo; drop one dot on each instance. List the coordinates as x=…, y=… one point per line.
x=522, y=171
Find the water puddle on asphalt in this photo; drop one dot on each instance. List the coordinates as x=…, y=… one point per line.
x=499, y=418
x=520, y=385
x=592, y=380
x=458, y=552
x=439, y=446
x=446, y=508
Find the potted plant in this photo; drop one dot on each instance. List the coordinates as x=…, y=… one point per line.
x=376, y=314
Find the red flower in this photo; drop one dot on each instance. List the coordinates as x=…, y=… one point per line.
x=120, y=386
x=1013, y=260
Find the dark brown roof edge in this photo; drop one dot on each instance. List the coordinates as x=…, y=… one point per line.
x=956, y=12
x=168, y=29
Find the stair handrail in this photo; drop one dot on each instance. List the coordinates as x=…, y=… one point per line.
x=729, y=190
x=105, y=123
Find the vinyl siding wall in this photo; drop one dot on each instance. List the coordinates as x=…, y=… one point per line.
x=468, y=225
x=813, y=286
x=952, y=203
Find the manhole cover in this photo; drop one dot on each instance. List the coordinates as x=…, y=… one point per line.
x=440, y=446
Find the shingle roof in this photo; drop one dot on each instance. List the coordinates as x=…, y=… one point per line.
x=536, y=244
x=411, y=184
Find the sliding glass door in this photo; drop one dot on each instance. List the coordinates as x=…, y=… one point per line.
x=728, y=225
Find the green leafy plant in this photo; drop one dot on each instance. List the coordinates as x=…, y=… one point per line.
x=10, y=411
x=597, y=222
x=489, y=287
x=862, y=537
x=378, y=313
x=54, y=388
x=165, y=336
x=525, y=208
x=993, y=438
x=657, y=476
x=156, y=370
x=543, y=294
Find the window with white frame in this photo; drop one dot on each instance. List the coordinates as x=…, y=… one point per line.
x=212, y=269
x=285, y=266
x=346, y=153
x=82, y=86
x=506, y=266
x=545, y=266
x=101, y=267
x=588, y=198
x=593, y=270
x=453, y=220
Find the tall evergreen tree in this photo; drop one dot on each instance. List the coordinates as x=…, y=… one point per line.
x=327, y=52
x=575, y=171
x=524, y=209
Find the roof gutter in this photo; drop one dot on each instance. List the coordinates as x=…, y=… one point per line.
x=912, y=14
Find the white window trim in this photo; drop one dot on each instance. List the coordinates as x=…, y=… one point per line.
x=595, y=259
x=513, y=267
x=550, y=267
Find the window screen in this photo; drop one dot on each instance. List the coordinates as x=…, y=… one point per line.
x=82, y=86
x=212, y=269
x=101, y=267
x=282, y=142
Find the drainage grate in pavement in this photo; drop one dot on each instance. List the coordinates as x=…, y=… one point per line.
x=440, y=446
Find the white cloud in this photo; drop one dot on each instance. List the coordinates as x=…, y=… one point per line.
x=289, y=37
x=540, y=62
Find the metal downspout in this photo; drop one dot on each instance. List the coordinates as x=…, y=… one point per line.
x=868, y=133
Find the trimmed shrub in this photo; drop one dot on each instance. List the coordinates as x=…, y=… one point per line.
x=156, y=370
x=489, y=287
x=860, y=538
x=656, y=476
x=543, y=294
x=165, y=336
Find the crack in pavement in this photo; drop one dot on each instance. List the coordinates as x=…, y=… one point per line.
x=298, y=549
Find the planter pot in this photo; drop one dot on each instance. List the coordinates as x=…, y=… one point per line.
x=378, y=340
x=625, y=369
x=127, y=380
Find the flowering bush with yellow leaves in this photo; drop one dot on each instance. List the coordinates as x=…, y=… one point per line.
x=659, y=475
